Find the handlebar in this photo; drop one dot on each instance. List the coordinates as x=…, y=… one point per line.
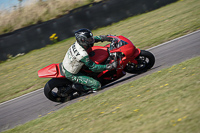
x=114, y=43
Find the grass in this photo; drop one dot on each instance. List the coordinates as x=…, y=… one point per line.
x=36, y=11
x=18, y=76
x=166, y=101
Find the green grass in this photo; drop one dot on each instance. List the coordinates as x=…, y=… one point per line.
x=19, y=76
x=166, y=101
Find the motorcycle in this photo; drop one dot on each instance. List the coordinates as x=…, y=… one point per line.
x=130, y=60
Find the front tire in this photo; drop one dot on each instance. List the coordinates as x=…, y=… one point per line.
x=145, y=61
x=54, y=86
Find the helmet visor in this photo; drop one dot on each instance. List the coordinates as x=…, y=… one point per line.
x=90, y=40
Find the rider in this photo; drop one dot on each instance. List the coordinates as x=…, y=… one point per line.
x=77, y=56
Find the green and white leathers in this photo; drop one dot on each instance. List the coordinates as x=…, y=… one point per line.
x=74, y=59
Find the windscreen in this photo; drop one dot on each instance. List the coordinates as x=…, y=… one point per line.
x=117, y=44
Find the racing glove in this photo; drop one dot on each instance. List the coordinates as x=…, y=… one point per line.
x=106, y=38
x=111, y=66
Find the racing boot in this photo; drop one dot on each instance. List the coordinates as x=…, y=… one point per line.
x=79, y=88
x=82, y=89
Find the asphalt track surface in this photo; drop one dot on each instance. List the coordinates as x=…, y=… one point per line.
x=33, y=105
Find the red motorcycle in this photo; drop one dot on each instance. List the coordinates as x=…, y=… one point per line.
x=130, y=59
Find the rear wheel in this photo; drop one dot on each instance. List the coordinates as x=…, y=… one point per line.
x=58, y=90
x=145, y=61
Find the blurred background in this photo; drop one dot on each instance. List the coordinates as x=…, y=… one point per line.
x=14, y=4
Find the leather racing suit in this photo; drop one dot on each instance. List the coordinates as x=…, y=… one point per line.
x=75, y=58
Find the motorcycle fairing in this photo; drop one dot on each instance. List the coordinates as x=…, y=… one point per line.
x=51, y=71
x=129, y=50
x=98, y=54
x=130, y=53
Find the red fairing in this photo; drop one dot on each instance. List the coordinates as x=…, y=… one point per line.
x=98, y=54
x=51, y=71
x=127, y=49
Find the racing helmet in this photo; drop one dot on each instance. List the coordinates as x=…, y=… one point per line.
x=85, y=38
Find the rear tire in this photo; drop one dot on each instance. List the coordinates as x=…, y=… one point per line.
x=145, y=61
x=55, y=84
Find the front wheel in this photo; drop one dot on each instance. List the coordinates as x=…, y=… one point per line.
x=58, y=90
x=145, y=61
